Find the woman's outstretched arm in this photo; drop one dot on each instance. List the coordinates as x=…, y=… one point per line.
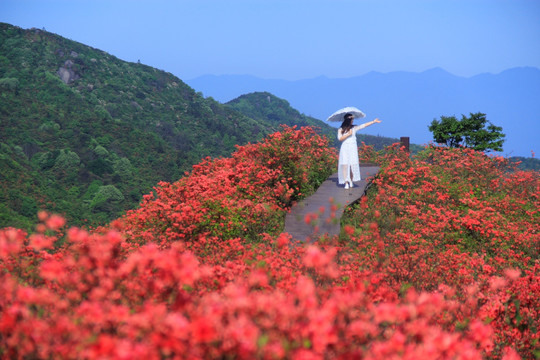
x=365, y=125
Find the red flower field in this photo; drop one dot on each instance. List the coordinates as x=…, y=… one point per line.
x=440, y=260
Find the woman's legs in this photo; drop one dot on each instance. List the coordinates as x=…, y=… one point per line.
x=347, y=173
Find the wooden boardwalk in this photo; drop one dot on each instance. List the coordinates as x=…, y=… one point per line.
x=320, y=203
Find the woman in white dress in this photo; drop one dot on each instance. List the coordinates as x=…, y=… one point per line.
x=349, y=165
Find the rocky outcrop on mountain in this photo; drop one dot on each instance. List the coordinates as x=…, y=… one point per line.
x=66, y=73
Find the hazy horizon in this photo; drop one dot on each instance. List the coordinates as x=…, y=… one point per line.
x=369, y=72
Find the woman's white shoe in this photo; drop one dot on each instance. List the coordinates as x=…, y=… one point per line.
x=346, y=185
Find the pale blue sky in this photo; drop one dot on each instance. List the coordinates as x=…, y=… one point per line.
x=296, y=39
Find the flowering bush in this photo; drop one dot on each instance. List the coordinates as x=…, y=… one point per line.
x=457, y=217
x=169, y=281
x=241, y=196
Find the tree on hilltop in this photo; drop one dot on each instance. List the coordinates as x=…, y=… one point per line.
x=469, y=132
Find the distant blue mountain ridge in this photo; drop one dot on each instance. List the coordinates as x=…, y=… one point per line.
x=407, y=102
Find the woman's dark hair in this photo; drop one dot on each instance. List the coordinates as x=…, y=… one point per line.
x=347, y=125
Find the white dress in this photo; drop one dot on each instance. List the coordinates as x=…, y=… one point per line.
x=348, y=157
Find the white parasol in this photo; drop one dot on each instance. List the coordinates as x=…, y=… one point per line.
x=338, y=115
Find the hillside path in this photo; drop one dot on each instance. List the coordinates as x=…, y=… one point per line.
x=295, y=220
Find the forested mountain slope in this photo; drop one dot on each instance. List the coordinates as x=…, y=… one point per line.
x=85, y=134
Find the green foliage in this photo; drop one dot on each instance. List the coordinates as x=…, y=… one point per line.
x=470, y=132
x=122, y=168
x=9, y=83
x=67, y=160
x=105, y=196
x=101, y=152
